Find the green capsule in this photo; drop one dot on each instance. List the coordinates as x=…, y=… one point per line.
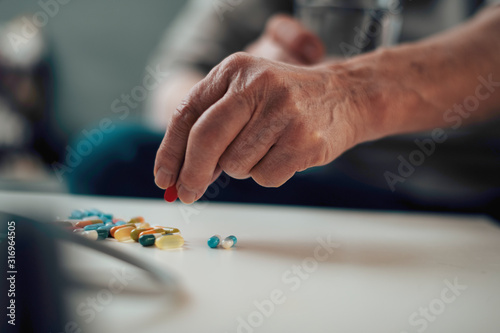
x=135, y=233
x=170, y=230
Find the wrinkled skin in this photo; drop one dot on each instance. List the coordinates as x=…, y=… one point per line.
x=258, y=118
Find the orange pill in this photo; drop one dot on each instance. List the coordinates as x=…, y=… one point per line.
x=84, y=223
x=151, y=231
x=123, y=234
x=113, y=230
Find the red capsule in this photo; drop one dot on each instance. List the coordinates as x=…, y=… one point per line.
x=170, y=194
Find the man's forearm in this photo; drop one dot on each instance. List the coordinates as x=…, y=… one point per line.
x=429, y=83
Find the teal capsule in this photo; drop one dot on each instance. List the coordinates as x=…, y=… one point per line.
x=149, y=240
x=102, y=234
x=77, y=214
x=95, y=234
x=106, y=227
x=233, y=238
x=120, y=223
x=229, y=242
x=213, y=241
x=93, y=226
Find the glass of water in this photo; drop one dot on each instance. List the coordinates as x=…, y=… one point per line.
x=351, y=27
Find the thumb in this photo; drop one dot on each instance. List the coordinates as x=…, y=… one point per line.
x=294, y=37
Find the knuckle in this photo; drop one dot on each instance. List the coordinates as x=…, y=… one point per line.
x=167, y=156
x=182, y=116
x=276, y=172
x=265, y=180
x=202, y=136
x=239, y=101
x=238, y=60
x=233, y=165
x=269, y=75
x=265, y=84
x=190, y=181
x=306, y=147
x=301, y=137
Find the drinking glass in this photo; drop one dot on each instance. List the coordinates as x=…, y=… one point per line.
x=351, y=27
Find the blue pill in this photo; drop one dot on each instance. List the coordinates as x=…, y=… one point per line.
x=120, y=223
x=94, y=211
x=213, y=241
x=93, y=226
x=107, y=216
x=77, y=214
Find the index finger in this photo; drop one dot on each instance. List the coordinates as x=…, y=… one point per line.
x=171, y=152
x=209, y=138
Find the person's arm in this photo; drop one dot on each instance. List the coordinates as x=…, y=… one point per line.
x=257, y=118
x=434, y=82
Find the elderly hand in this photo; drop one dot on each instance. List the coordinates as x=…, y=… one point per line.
x=252, y=117
x=286, y=40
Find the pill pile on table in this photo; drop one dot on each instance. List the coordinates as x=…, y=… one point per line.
x=213, y=242
x=96, y=225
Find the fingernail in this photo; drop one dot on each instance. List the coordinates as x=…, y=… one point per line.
x=163, y=178
x=311, y=51
x=186, y=195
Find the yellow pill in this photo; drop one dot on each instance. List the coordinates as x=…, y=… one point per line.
x=136, y=219
x=169, y=242
x=123, y=234
x=144, y=225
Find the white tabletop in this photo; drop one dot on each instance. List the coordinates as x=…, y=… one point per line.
x=381, y=272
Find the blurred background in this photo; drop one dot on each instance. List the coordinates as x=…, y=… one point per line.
x=66, y=76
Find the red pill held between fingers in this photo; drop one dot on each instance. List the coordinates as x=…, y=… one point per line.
x=170, y=194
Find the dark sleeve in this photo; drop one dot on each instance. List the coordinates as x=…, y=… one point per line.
x=206, y=32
